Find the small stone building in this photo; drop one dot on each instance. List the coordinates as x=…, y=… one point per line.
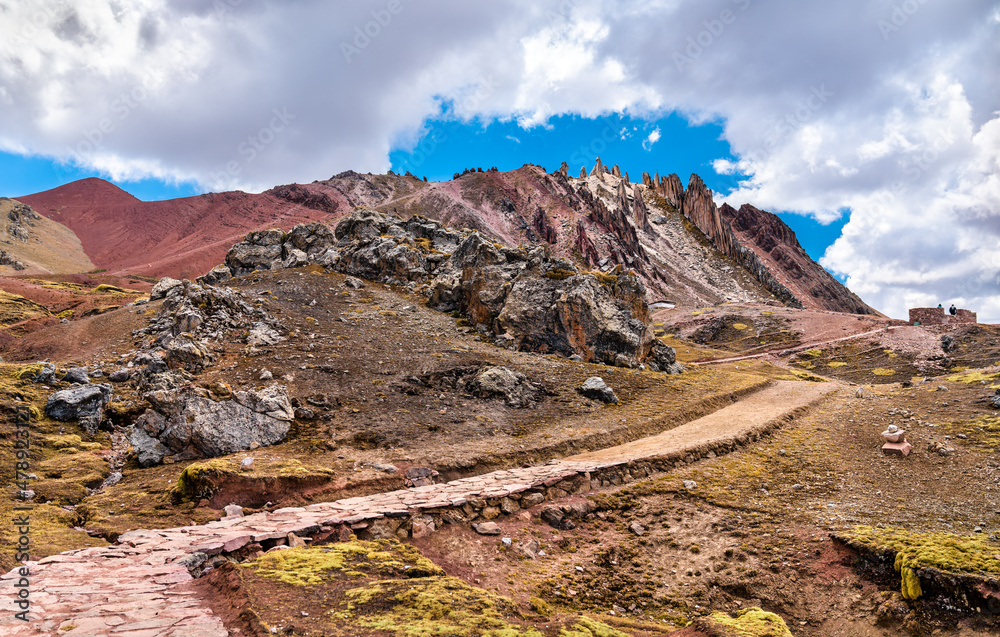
x=940, y=316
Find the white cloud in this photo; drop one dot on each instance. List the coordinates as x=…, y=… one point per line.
x=651, y=139
x=831, y=111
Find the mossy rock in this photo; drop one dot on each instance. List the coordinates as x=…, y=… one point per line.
x=559, y=274
x=72, y=441
x=202, y=479
x=59, y=492
x=751, y=622
x=586, y=627
x=28, y=371
x=432, y=606
x=954, y=554
x=316, y=565
x=84, y=467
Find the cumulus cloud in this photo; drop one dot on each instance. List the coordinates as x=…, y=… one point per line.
x=651, y=139
x=885, y=110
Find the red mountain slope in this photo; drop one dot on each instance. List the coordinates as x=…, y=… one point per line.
x=178, y=237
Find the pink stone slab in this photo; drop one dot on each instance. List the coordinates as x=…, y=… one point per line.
x=897, y=448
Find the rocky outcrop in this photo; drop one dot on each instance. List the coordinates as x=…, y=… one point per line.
x=540, y=224
x=84, y=403
x=671, y=189
x=768, y=248
x=584, y=244
x=640, y=214
x=194, y=316
x=8, y=259
x=629, y=252
x=521, y=297
x=20, y=218
x=603, y=322
x=186, y=423
x=299, y=195
x=598, y=170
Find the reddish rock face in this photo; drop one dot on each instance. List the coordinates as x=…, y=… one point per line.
x=778, y=251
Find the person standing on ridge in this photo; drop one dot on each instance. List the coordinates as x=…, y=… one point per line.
x=952, y=310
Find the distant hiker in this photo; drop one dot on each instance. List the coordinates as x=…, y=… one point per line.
x=952, y=310
x=940, y=307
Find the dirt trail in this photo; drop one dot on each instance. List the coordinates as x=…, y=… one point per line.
x=792, y=350
x=137, y=584
x=777, y=401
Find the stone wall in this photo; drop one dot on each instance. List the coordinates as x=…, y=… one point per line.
x=940, y=316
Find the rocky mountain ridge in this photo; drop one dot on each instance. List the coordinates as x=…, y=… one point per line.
x=685, y=249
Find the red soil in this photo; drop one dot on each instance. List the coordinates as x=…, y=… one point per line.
x=178, y=237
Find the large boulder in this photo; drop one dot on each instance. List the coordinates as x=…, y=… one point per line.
x=85, y=404
x=184, y=350
x=260, y=250
x=596, y=389
x=601, y=322
x=163, y=287
x=186, y=423
x=500, y=382
x=311, y=238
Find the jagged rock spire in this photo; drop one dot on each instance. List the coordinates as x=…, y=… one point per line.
x=646, y=181
x=583, y=172
x=639, y=212
x=598, y=168
x=672, y=190
x=564, y=168
x=616, y=171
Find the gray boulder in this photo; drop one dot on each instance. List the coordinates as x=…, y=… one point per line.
x=163, y=287
x=260, y=250
x=578, y=315
x=84, y=403
x=185, y=351
x=46, y=375
x=216, y=275
x=185, y=423
x=500, y=382
x=311, y=238
x=78, y=375
x=663, y=358
x=295, y=259
x=596, y=389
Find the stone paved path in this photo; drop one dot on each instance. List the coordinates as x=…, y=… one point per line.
x=130, y=589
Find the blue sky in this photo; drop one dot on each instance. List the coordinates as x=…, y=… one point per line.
x=669, y=144
x=874, y=124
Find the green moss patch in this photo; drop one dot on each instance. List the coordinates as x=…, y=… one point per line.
x=955, y=554
x=311, y=566
x=202, y=479
x=975, y=376
x=752, y=622
x=587, y=627
x=432, y=606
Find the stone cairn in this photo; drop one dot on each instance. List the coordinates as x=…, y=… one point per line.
x=895, y=442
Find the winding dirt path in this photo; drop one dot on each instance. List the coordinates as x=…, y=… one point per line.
x=135, y=588
x=777, y=351
x=780, y=400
